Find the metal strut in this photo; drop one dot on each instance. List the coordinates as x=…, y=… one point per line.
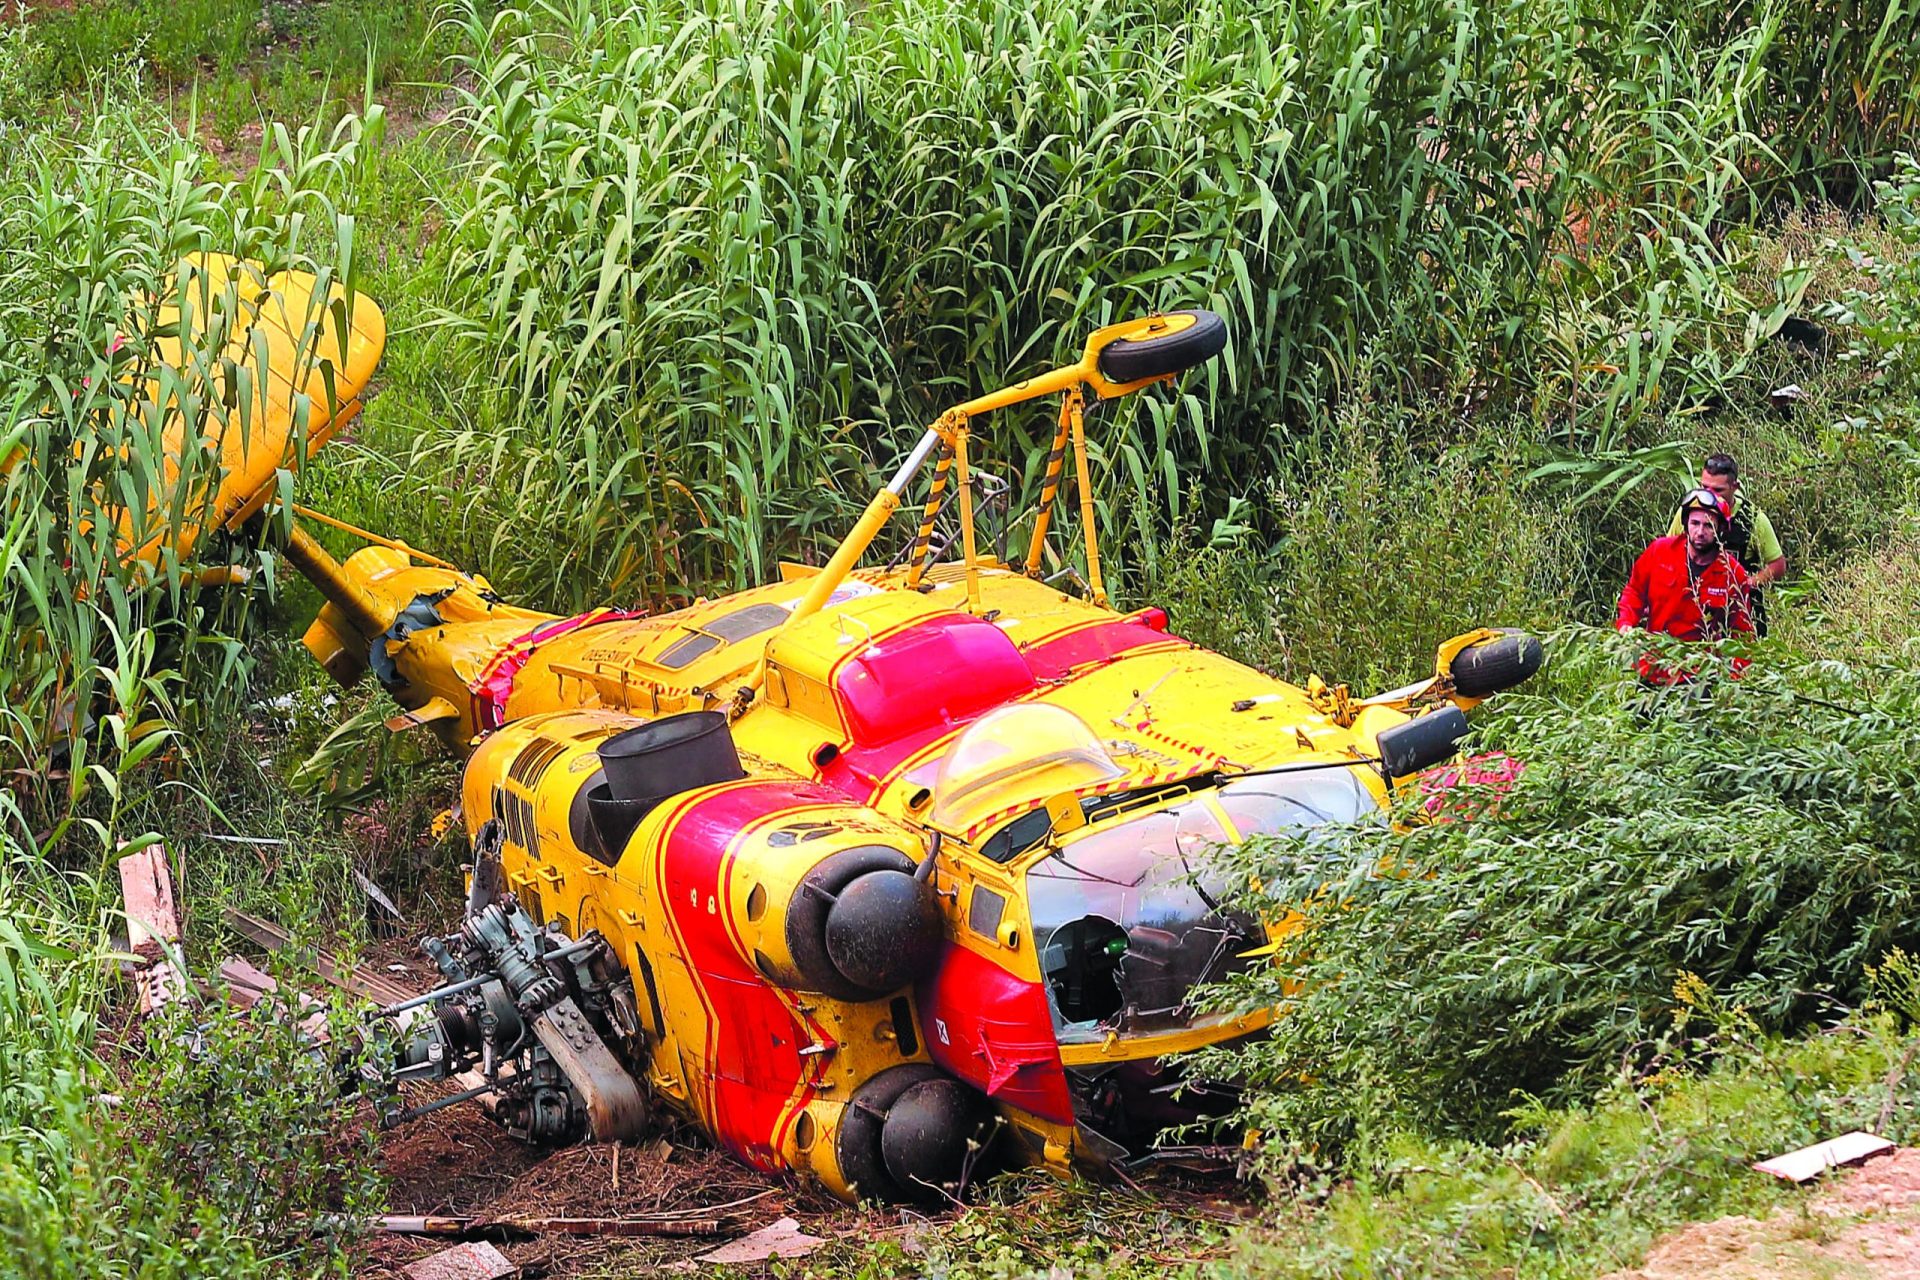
x=1050, y=490
x=922, y=558
x=1075, y=413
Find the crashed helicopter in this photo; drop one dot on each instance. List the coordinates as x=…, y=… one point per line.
x=874, y=872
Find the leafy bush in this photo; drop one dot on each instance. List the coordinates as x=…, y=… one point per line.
x=1384, y=555
x=1761, y=834
x=1580, y=1191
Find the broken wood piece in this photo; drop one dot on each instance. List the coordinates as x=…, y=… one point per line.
x=362, y=982
x=146, y=887
x=612, y=1226
x=414, y=1224
x=246, y=984
x=454, y=1225
x=153, y=928
x=247, y=987
x=783, y=1239
x=1810, y=1162
x=477, y=1261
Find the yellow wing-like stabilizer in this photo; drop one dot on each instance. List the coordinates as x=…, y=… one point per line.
x=291, y=373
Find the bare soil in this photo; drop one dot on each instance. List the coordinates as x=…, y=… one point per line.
x=1862, y=1224
x=458, y=1161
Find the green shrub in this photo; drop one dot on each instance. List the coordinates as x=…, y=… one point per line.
x=1761, y=834
x=1383, y=554
x=1581, y=1191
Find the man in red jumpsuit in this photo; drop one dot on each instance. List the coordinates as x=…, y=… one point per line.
x=1688, y=586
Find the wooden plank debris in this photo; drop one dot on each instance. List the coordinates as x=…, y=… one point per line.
x=247, y=987
x=668, y=1225
x=361, y=981
x=477, y=1261
x=1810, y=1162
x=783, y=1239
x=246, y=984
x=147, y=888
x=153, y=928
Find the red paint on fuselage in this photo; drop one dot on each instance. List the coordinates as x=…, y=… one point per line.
x=1095, y=645
x=867, y=763
x=752, y=1053
x=994, y=1030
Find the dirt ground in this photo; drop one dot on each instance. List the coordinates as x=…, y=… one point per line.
x=1864, y=1224
x=458, y=1161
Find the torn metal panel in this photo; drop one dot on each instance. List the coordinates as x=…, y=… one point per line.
x=1810, y=1162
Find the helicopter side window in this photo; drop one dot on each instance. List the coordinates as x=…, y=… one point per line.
x=689, y=650
x=1018, y=836
x=984, y=910
x=752, y=620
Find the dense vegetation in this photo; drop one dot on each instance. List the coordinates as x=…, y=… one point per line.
x=672, y=282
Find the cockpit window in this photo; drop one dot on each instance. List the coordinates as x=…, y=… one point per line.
x=1017, y=756
x=1288, y=801
x=1131, y=915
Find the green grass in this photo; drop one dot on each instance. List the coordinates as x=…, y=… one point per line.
x=1577, y=1192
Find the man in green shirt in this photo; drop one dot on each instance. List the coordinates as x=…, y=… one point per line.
x=1751, y=538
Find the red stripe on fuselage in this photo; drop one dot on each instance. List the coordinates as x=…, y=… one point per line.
x=1094, y=645
x=753, y=1040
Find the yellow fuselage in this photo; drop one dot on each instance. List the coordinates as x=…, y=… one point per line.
x=859, y=706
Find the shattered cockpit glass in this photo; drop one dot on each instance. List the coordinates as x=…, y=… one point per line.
x=1131, y=915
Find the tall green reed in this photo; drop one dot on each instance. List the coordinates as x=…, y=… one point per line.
x=112, y=343
x=722, y=258
x=719, y=259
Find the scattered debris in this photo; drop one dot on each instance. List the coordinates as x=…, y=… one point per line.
x=784, y=1239
x=388, y=918
x=153, y=928
x=1810, y=1162
x=478, y=1261
x=415, y=1224
x=1783, y=399
x=246, y=984
x=362, y=982
x=476, y=1225
x=247, y=987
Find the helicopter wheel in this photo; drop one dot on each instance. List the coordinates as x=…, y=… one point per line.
x=912, y=1134
x=1137, y=359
